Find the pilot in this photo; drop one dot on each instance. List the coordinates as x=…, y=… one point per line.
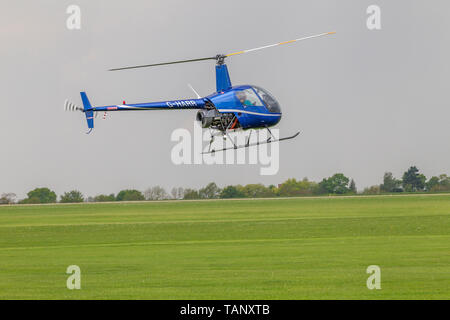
x=243, y=99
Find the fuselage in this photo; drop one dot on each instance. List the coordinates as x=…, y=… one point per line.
x=254, y=107
x=244, y=107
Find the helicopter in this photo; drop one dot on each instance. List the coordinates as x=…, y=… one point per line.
x=230, y=108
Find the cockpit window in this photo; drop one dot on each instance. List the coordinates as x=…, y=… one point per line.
x=268, y=99
x=248, y=98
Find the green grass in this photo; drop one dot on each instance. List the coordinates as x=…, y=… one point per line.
x=241, y=249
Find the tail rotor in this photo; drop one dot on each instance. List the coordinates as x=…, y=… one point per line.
x=86, y=109
x=70, y=106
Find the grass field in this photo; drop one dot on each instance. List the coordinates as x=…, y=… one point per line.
x=311, y=248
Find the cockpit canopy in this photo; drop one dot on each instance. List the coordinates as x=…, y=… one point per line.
x=270, y=101
x=258, y=97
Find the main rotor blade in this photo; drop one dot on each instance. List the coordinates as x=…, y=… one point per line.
x=278, y=44
x=162, y=64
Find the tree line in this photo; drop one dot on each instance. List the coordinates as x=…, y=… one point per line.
x=411, y=181
x=338, y=184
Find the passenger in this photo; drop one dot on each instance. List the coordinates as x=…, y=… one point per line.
x=243, y=99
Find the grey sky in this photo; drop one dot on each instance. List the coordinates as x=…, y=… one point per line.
x=366, y=101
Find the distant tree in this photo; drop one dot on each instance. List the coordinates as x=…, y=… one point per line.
x=130, y=195
x=156, y=193
x=444, y=182
x=180, y=192
x=105, y=198
x=432, y=183
x=337, y=184
x=413, y=181
x=190, y=194
x=211, y=191
x=257, y=191
x=438, y=184
x=72, y=197
x=390, y=183
x=292, y=187
x=289, y=188
x=8, y=198
x=175, y=194
x=40, y=195
x=231, y=192
x=421, y=183
x=372, y=190
x=32, y=200
x=352, y=186
x=273, y=189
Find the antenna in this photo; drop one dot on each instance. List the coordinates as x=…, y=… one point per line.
x=196, y=93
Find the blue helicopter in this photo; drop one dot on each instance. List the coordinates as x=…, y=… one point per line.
x=228, y=109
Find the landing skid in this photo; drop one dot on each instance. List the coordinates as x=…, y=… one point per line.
x=269, y=140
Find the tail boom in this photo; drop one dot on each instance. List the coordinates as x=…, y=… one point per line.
x=163, y=105
x=89, y=110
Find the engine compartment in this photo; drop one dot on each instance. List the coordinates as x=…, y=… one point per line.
x=211, y=118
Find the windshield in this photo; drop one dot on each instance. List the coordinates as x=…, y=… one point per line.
x=248, y=98
x=268, y=99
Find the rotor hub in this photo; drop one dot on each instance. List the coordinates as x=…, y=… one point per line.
x=220, y=59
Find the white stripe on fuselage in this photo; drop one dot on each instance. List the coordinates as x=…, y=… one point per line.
x=250, y=112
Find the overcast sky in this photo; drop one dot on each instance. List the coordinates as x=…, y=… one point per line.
x=366, y=101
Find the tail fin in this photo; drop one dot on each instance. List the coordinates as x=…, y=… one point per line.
x=87, y=111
